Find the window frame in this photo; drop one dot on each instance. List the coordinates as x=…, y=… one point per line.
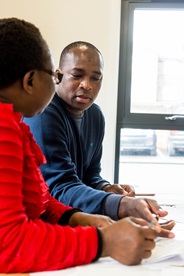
x=125, y=119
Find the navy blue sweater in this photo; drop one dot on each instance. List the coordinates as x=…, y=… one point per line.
x=73, y=157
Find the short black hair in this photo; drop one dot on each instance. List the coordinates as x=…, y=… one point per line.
x=76, y=44
x=22, y=48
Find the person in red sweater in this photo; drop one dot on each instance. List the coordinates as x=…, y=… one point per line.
x=37, y=232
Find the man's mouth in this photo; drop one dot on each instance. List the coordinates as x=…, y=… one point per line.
x=83, y=98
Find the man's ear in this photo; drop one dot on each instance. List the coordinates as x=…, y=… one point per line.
x=59, y=70
x=28, y=81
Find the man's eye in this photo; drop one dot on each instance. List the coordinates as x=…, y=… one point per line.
x=96, y=78
x=76, y=76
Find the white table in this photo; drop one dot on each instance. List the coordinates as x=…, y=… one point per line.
x=107, y=266
x=174, y=204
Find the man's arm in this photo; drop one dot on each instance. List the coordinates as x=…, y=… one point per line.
x=53, y=136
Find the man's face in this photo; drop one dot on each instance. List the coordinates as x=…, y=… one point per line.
x=82, y=77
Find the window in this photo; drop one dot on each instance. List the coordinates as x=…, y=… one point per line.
x=151, y=81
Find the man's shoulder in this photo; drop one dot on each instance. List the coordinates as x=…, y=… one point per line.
x=55, y=106
x=56, y=101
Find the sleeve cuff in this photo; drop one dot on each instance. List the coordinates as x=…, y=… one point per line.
x=101, y=185
x=64, y=219
x=111, y=205
x=100, y=246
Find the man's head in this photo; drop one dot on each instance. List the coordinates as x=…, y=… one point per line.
x=25, y=66
x=81, y=64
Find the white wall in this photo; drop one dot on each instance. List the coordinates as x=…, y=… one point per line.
x=96, y=21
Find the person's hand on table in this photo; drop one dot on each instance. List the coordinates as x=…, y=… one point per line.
x=166, y=228
x=126, y=190
x=145, y=208
x=129, y=240
x=83, y=219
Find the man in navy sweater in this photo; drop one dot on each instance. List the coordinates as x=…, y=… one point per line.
x=70, y=133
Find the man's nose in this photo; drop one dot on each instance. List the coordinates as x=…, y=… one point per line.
x=85, y=83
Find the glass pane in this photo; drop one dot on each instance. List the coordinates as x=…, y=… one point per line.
x=158, y=62
x=138, y=142
x=152, y=160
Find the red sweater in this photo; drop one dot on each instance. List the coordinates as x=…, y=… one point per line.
x=27, y=243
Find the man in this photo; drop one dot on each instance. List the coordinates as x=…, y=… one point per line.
x=70, y=132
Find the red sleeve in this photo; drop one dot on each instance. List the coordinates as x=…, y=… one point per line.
x=26, y=244
x=54, y=211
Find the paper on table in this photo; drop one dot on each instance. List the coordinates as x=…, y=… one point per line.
x=170, y=250
x=167, y=249
x=175, y=212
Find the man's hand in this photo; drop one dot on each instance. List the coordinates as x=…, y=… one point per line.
x=166, y=228
x=145, y=208
x=84, y=219
x=126, y=190
x=128, y=240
